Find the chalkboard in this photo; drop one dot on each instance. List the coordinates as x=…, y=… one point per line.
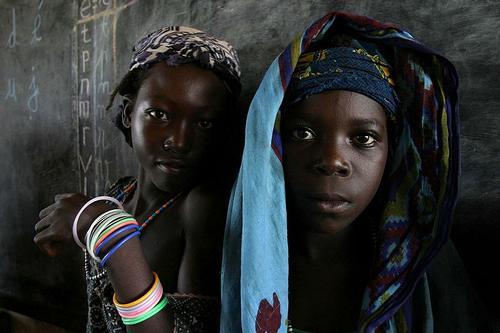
x=59, y=60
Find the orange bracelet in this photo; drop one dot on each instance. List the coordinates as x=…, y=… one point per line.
x=141, y=299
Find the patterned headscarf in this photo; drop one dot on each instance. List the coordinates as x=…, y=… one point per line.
x=180, y=45
x=421, y=180
x=352, y=68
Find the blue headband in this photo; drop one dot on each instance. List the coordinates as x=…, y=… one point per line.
x=344, y=68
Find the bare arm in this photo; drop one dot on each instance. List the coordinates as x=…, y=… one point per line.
x=131, y=277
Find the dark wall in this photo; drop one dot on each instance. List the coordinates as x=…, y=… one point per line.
x=60, y=59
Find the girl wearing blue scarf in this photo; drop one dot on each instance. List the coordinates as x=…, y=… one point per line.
x=347, y=185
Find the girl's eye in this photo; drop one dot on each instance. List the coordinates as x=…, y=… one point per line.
x=365, y=140
x=159, y=114
x=302, y=133
x=205, y=124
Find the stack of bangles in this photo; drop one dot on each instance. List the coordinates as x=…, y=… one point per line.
x=152, y=302
x=114, y=227
x=108, y=233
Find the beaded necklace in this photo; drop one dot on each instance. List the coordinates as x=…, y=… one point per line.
x=123, y=195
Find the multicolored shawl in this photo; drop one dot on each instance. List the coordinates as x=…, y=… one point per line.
x=422, y=180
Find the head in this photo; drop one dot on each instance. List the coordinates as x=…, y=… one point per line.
x=179, y=106
x=335, y=132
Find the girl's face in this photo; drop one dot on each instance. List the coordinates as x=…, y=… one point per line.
x=177, y=122
x=335, y=151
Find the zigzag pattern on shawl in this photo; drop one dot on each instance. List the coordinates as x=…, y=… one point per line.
x=418, y=187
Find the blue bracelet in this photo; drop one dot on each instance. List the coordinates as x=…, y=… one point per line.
x=117, y=246
x=113, y=235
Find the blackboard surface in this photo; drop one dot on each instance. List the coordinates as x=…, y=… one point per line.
x=60, y=59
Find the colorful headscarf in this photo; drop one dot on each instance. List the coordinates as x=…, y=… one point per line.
x=421, y=180
x=352, y=68
x=180, y=45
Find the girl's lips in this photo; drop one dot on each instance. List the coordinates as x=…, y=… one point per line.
x=333, y=207
x=171, y=167
x=329, y=203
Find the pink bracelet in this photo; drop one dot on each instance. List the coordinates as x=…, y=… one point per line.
x=91, y=201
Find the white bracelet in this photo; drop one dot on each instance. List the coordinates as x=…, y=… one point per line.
x=91, y=201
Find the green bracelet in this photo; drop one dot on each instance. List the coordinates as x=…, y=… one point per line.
x=157, y=308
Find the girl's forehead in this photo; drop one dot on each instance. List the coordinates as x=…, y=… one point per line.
x=184, y=85
x=188, y=77
x=338, y=102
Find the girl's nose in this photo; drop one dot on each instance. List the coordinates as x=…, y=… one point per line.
x=178, y=139
x=333, y=161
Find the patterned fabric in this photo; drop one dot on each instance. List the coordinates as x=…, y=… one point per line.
x=421, y=188
x=344, y=68
x=192, y=313
x=180, y=45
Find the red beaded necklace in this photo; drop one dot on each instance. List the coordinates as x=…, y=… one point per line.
x=129, y=189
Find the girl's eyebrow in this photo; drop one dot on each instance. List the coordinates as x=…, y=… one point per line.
x=372, y=122
x=163, y=98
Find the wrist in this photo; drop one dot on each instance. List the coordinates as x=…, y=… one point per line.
x=89, y=215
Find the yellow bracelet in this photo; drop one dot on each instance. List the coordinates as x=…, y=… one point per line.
x=141, y=299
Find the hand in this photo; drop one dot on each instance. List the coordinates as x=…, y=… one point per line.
x=54, y=230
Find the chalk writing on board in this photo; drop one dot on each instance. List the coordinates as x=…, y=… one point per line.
x=84, y=8
x=83, y=109
x=108, y=182
x=84, y=134
x=95, y=51
x=85, y=191
x=11, y=89
x=85, y=167
x=12, y=41
x=104, y=25
x=84, y=31
x=36, y=25
x=34, y=92
x=100, y=138
x=101, y=111
x=85, y=60
x=100, y=62
x=102, y=172
x=84, y=87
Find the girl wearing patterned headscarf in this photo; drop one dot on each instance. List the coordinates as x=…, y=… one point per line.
x=153, y=244
x=347, y=185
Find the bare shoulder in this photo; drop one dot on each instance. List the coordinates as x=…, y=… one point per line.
x=205, y=207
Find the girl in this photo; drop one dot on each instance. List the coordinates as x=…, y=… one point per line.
x=347, y=185
x=178, y=109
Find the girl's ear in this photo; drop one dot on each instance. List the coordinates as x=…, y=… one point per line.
x=126, y=111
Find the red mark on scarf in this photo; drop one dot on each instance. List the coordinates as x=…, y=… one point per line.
x=268, y=316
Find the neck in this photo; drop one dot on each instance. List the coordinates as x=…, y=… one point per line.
x=147, y=197
x=353, y=244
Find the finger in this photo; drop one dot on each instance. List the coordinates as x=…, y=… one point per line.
x=47, y=210
x=47, y=243
x=62, y=196
x=42, y=224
